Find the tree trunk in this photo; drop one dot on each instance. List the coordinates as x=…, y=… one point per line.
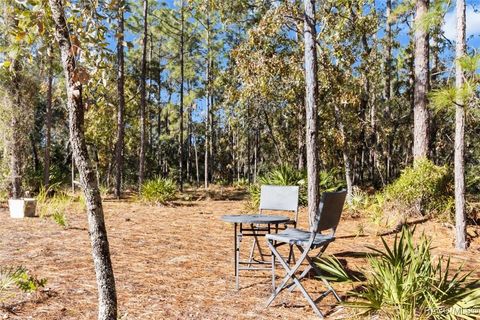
x=36, y=161
x=388, y=89
x=311, y=94
x=346, y=158
x=143, y=97
x=301, y=138
x=212, y=137
x=197, y=172
x=388, y=58
x=48, y=122
x=98, y=234
x=15, y=143
x=180, y=142
x=207, y=98
x=121, y=102
x=460, y=241
x=189, y=141
x=420, y=112
x=249, y=145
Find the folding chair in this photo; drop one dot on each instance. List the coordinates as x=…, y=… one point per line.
x=276, y=198
x=327, y=218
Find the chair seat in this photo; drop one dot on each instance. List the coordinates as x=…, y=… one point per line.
x=299, y=237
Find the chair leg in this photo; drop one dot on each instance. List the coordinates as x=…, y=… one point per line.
x=291, y=255
x=250, y=256
x=291, y=276
x=273, y=273
x=311, y=265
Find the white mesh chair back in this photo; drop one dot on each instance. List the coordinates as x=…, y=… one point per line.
x=279, y=198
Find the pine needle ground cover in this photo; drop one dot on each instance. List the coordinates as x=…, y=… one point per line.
x=161, y=273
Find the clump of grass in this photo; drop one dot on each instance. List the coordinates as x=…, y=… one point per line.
x=241, y=183
x=17, y=277
x=60, y=218
x=158, y=191
x=53, y=202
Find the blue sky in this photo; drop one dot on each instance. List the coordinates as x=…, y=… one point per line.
x=449, y=28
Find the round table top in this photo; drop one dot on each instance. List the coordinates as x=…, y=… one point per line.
x=254, y=218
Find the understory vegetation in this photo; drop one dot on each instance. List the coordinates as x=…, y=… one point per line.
x=158, y=191
x=405, y=281
x=19, y=278
x=422, y=190
x=289, y=176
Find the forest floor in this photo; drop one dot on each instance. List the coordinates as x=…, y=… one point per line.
x=176, y=262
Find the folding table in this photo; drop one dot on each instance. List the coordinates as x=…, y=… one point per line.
x=252, y=225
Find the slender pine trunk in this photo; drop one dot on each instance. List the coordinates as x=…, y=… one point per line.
x=180, y=142
x=48, y=121
x=420, y=112
x=121, y=102
x=346, y=158
x=460, y=220
x=143, y=97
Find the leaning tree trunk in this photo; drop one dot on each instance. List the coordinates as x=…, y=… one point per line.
x=311, y=93
x=460, y=239
x=420, y=112
x=143, y=97
x=98, y=234
x=121, y=102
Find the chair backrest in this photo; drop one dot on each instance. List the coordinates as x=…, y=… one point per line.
x=279, y=198
x=330, y=210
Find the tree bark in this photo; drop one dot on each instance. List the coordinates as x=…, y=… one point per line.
x=180, y=142
x=388, y=88
x=460, y=221
x=121, y=102
x=311, y=93
x=98, y=234
x=388, y=58
x=300, y=138
x=420, y=112
x=207, y=98
x=15, y=144
x=143, y=97
x=346, y=158
x=48, y=122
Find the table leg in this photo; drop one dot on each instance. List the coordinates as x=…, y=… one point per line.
x=236, y=257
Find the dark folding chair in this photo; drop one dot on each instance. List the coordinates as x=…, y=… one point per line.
x=328, y=217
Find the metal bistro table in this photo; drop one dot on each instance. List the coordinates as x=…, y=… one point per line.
x=252, y=225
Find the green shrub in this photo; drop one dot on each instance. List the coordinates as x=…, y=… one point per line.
x=404, y=282
x=158, y=191
x=288, y=176
x=473, y=179
x=422, y=188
